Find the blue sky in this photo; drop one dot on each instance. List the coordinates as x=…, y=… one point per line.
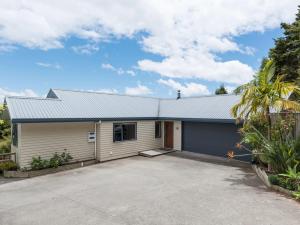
x=19, y=69
x=132, y=58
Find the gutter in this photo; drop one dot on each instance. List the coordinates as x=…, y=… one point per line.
x=96, y=120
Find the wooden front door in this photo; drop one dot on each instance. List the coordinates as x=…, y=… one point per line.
x=168, y=135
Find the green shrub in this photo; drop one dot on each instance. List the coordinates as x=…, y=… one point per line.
x=39, y=163
x=9, y=165
x=66, y=157
x=296, y=195
x=274, y=179
x=291, y=179
x=55, y=161
x=280, y=150
x=5, y=145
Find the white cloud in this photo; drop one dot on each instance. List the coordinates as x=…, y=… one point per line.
x=138, y=90
x=27, y=92
x=85, y=49
x=49, y=65
x=230, y=89
x=130, y=72
x=247, y=50
x=7, y=48
x=188, y=34
x=107, y=66
x=119, y=70
x=201, y=67
x=187, y=89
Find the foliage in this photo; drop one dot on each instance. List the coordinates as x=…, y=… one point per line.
x=292, y=173
x=221, y=90
x=38, y=163
x=296, y=195
x=5, y=145
x=55, y=161
x=286, y=53
x=280, y=151
x=262, y=93
x=66, y=157
x=274, y=179
x=290, y=179
x=4, y=132
x=8, y=165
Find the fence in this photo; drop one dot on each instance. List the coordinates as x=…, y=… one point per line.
x=8, y=157
x=295, y=116
x=297, y=125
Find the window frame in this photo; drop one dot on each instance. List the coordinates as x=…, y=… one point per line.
x=159, y=135
x=14, y=135
x=122, y=132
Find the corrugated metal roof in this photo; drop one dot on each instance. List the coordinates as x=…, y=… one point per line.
x=81, y=105
x=204, y=107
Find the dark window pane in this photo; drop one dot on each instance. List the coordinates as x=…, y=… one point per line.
x=122, y=132
x=117, y=132
x=157, y=129
x=15, y=134
x=129, y=131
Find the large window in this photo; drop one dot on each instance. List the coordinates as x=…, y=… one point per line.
x=124, y=131
x=15, y=134
x=157, y=129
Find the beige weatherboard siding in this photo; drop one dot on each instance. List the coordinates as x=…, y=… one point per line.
x=44, y=139
x=177, y=135
x=108, y=149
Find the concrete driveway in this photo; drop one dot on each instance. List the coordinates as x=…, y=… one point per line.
x=168, y=189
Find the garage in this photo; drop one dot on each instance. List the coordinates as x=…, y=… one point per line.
x=210, y=138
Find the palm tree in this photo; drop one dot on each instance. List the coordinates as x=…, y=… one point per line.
x=265, y=93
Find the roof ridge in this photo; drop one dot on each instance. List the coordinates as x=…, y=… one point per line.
x=139, y=96
x=105, y=93
x=212, y=95
x=32, y=98
x=203, y=96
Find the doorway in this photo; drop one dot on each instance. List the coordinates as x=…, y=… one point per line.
x=168, y=135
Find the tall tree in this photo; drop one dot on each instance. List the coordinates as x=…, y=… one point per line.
x=265, y=92
x=286, y=53
x=221, y=90
x=4, y=124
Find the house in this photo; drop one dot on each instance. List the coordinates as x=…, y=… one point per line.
x=91, y=125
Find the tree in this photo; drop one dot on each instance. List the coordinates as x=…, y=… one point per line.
x=286, y=53
x=221, y=90
x=4, y=131
x=4, y=124
x=265, y=92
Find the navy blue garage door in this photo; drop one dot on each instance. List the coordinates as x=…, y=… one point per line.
x=210, y=138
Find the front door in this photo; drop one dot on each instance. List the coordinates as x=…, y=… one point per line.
x=168, y=135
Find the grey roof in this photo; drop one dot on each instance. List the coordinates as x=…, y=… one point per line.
x=204, y=107
x=66, y=105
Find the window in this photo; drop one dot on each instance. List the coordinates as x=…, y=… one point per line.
x=15, y=134
x=124, y=131
x=157, y=129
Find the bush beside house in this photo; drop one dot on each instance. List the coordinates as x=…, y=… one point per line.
x=270, y=137
x=4, y=132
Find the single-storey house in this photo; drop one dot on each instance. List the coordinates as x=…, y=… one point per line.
x=91, y=125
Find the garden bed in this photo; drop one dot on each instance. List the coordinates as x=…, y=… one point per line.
x=261, y=173
x=34, y=173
